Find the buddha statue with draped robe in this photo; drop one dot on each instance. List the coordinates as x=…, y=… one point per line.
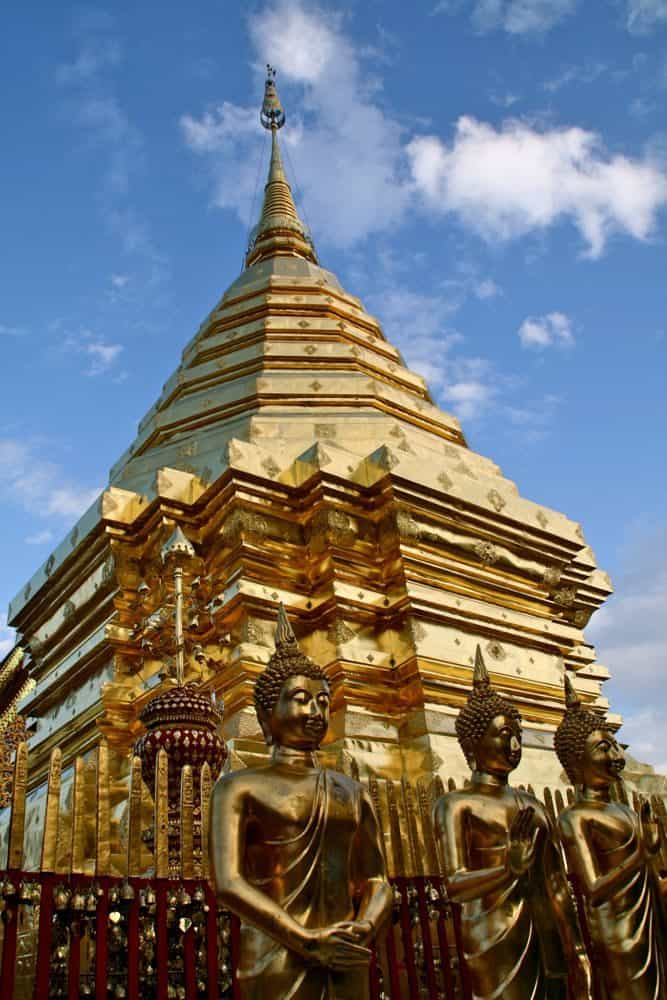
x=520, y=934
x=612, y=853
x=296, y=849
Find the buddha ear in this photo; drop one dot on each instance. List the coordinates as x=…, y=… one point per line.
x=264, y=720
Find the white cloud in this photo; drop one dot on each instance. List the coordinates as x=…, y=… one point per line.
x=95, y=54
x=87, y=84
x=504, y=183
x=546, y=331
x=38, y=484
x=630, y=633
x=119, y=280
x=516, y=17
x=360, y=171
x=420, y=326
x=100, y=354
x=532, y=419
x=471, y=395
x=11, y=331
x=487, y=289
x=349, y=155
x=40, y=537
x=505, y=100
x=644, y=15
x=587, y=73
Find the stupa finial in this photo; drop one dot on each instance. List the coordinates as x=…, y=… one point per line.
x=280, y=231
x=272, y=115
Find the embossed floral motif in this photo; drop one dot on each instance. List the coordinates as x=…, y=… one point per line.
x=496, y=500
x=270, y=467
x=565, y=596
x=234, y=453
x=542, y=518
x=339, y=632
x=253, y=632
x=417, y=632
x=244, y=521
x=486, y=552
x=386, y=458
x=551, y=575
x=321, y=457
x=335, y=525
x=406, y=525
x=188, y=449
x=445, y=482
x=326, y=431
x=109, y=569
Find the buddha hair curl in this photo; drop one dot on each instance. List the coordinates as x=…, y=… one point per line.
x=482, y=706
x=287, y=661
x=576, y=726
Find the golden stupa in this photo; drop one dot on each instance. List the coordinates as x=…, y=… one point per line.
x=305, y=464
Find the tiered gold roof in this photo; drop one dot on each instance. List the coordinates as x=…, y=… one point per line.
x=308, y=464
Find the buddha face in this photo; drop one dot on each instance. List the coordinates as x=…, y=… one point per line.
x=602, y=760
x=300, y=716
x=499, y=750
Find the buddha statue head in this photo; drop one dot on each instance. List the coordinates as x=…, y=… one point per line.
x=488, y=727
x=292, y=695
x=586, y=745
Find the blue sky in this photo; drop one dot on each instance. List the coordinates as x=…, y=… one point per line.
x=490, y=176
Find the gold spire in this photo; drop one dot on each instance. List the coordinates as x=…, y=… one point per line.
x=284, y=634
x=279, y=231
x=480, y=673
x=572, y=700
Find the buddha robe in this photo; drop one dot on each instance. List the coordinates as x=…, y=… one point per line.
x=308, y=876
x=510, y=937
x=625, y=928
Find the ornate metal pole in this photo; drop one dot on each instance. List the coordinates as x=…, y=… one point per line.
x=175, y=552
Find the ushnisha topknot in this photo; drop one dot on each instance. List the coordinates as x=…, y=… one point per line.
x=483, y=705
x=576, y=726
x=287, y=661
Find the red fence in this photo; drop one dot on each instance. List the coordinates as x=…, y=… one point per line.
x=162, y=939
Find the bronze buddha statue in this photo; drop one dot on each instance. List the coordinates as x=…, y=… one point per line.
x=612, y=852
x=502, y=864
x=296, y=850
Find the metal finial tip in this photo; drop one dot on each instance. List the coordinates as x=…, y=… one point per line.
x=272, y=114
x=284, y=634
x=480, y=676
x=177, y=545
x=572, y=699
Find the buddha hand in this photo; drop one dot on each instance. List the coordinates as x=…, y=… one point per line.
x=336, y=948
x=523, y=834
x=650, y=828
